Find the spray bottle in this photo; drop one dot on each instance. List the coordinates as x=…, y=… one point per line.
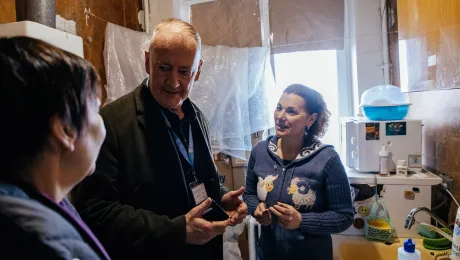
x=383, y=159
x=455, y=255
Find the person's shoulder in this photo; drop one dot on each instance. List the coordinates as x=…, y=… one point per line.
x=121, y=104
x=34, y=216
x=121, y=112
x=36, y=226
x=261, y=146
x=329, y=152
x=199, y=113
x=323, y=153
x=329, y=158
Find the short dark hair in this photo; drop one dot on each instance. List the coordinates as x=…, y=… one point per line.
x=39, y=81
x=314, y=103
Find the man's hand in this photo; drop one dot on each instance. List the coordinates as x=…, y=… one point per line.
x=234, y=206
x=200, y=231
x=263, y=215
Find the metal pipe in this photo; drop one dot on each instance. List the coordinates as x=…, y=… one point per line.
x=40, y=11
x=147, y=15
x=386, y=52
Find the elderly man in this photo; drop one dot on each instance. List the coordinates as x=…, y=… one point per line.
x=155, y=176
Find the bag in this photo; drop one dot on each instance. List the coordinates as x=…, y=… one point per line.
x=378, y=224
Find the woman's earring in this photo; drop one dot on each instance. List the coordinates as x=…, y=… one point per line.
x=72, y=147
x=306, y=131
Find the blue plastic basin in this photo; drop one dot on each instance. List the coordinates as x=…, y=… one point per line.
x=385, y=113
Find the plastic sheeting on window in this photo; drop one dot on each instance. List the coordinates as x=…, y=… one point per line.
x=124, y=60
x=232, y=91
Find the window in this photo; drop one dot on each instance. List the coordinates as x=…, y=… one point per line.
x=318, y=70
x=324, y=66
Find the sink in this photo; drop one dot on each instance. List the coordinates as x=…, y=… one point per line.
x=358, y=247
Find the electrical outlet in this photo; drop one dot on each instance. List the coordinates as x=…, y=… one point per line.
x=447, y=180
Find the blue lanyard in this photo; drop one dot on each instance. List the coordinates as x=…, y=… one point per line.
x=188, y=155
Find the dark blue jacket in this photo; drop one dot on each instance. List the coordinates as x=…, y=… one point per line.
x=315, y=183
x=33, y=227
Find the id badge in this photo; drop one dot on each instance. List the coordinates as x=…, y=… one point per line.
x=199, y=192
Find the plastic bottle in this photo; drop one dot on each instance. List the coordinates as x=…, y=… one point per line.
x=401, y=168
x=408, y=251
x=455, y=255
x=383, y=167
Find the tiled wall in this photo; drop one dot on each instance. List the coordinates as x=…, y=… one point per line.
x=121, y=12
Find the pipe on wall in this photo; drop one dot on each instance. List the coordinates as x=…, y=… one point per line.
x=40, y=11
x=386, y=51
x=146, y=4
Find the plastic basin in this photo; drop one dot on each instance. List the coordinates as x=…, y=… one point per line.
x=385, y=113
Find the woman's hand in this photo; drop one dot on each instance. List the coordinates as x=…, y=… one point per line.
x=263, y=215
x=288, y=216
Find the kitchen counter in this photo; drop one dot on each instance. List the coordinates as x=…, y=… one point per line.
x=419, y=177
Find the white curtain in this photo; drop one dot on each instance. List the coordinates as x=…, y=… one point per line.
x=232, y=92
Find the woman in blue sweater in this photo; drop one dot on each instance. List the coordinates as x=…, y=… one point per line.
x=296, y=187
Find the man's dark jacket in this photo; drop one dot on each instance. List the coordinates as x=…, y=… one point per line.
x=136, y=200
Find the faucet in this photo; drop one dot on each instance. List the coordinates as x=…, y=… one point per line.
x=410, y=219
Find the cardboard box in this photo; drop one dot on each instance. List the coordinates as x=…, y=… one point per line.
x=225, y=174
x=239, y=177
x=237, y=162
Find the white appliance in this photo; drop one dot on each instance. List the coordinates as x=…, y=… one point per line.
x=362, y=140
x=400, y=193
x=60, y=39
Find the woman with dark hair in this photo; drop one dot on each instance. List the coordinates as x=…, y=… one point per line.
x=51, y=135
x=296, y=187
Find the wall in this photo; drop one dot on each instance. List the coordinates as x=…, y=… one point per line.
x=432, y=27
x=234, y=23
x=364, y=41
x=7, y=11
x=440, y=112
x=121, y=12
x=159, y=9
x=439, y=109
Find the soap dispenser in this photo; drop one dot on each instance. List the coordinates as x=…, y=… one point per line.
x=408, y=251
x=383, y=161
